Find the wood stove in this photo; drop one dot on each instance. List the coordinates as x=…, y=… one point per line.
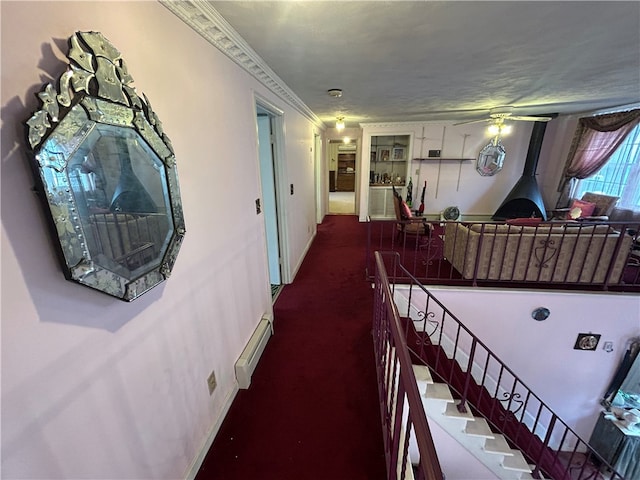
x=524, y=200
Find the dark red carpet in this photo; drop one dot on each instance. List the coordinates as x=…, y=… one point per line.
x=312, y=411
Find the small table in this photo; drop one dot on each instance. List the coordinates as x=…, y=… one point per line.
x=618, y=445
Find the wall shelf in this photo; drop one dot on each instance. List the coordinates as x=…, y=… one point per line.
x=429, y=159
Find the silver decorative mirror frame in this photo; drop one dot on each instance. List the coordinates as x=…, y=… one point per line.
x=491, y=158
x=106, y=172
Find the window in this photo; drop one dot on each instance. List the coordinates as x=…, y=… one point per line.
x=620, y=176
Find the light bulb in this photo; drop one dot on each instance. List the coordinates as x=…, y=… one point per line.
x=494, y=129
x=340, y=123
x=346, y=140
x=505, y=129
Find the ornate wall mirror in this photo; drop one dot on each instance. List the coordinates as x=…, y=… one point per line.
x=107, y=175
x=490, y=159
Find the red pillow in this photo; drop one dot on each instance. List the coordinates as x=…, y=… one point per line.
x=580, y=209
x=528, y=222
x=406, y=211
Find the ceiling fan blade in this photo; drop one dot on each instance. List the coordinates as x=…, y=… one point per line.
x=472, y=121
x=529, y=119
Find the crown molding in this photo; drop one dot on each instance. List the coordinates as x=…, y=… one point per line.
x=209, y=24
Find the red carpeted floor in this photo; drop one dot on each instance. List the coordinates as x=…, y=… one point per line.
x=311, y=411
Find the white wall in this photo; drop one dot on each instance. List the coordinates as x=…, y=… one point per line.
x=553, y=156
x=454, y=183
x=571, y=382
x=451, y=182
x=93, y=387
x=456, y=462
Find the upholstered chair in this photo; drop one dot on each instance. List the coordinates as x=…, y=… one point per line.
x=592, y=206
x=407, y=223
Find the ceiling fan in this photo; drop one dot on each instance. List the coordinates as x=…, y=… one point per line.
x=498, y=115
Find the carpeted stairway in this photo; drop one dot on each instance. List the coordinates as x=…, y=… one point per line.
x=481, y=403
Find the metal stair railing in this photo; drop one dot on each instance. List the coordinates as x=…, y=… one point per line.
x=538, y=257
x=409, y=449
x=483, y=383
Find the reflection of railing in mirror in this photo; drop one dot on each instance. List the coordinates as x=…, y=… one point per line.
x=130, y=240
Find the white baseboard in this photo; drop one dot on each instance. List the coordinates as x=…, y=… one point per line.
x=197, y=461
x=303, y=256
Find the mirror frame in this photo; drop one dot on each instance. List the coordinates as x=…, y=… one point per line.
x=491, y=158
x=96, y=89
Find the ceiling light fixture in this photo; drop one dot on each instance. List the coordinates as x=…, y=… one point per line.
x=340, y=123
x=499, y=129
x=346, y=140
x=491, y=157
x=335, y=92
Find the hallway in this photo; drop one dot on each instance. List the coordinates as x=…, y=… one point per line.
x=342, y=203
x=312, y=410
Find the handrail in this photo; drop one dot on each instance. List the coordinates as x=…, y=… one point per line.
x=583, y=256
x=484, y=383
x=398, y=389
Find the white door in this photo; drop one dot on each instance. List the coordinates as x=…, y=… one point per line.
x=269, y=200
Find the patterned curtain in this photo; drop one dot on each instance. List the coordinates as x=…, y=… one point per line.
x=595, y=140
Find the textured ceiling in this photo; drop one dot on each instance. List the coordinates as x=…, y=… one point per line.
x=454, y=60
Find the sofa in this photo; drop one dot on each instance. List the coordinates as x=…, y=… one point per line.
x=550, y=252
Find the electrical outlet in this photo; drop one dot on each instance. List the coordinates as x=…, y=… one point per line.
x=211, y=382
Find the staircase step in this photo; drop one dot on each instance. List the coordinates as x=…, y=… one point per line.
x=479, y=428
x=529, y=476
x=516, y=462
x=438, y=391
x=452, y=412
x=422, y=373
x=498, y=445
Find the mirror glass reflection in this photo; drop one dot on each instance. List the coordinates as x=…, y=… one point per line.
x=119, y=186
x=628, y=395
x=490, y=159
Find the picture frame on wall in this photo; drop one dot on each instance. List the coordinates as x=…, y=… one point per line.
x=399, y=153
x=384, y=154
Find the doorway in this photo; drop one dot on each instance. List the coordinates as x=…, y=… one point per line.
x=342, y=177
x=268, y=123
x=342, y=203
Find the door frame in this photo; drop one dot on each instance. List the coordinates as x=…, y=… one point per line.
x=280, y=179
x=321, y=179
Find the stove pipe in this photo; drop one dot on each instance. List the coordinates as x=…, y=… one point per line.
x=524, y=199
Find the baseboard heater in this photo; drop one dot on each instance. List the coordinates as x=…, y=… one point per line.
x=250, y=356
